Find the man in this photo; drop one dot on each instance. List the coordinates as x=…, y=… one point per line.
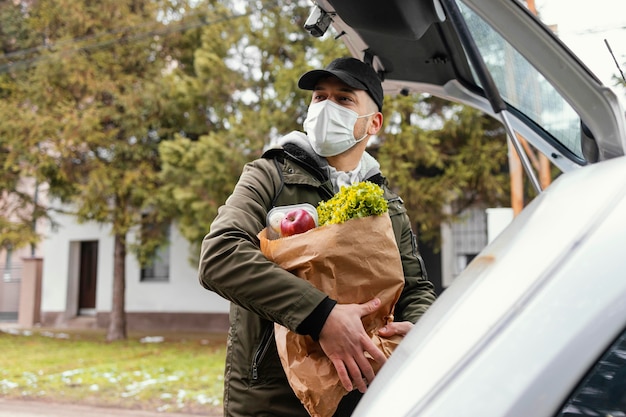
x=345, y=111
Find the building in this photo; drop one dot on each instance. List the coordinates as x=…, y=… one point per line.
x=78, y=281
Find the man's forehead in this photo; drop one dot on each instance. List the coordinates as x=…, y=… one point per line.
x=336, y=83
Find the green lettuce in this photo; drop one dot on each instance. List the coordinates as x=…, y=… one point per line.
x=358, y=200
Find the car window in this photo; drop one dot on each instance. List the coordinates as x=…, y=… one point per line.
x=523, y=88
x=603, y=390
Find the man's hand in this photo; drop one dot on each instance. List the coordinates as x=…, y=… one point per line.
x=400, y=328
x=345, y=341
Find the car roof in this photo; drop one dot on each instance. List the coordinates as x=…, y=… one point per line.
x=419, y=46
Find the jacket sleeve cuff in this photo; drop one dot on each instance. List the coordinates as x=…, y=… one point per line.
x=312, y=325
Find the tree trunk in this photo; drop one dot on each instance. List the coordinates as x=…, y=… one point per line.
x=117, y=325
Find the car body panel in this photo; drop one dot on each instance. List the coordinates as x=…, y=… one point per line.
x=549, y=277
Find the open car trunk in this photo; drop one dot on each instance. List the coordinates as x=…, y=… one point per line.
x=493, y=55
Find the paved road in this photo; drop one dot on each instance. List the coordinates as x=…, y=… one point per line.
x=20, y=408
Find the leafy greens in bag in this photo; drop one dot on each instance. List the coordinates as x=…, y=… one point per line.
x=355, y=201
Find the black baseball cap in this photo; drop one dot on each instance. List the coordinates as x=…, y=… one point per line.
x=351, y=71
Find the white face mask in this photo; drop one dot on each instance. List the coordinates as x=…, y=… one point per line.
x=330, y=128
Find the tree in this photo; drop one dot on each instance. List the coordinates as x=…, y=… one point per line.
x=91, y=99
x=19, y=209
x=435, y=153
x=438, y=155
x=136, y=113
x=238, y=94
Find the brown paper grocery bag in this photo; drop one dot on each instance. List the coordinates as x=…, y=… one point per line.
x=352, y=262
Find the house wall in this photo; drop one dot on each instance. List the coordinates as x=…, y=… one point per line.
x=179, y=303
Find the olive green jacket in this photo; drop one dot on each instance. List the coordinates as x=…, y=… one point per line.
x=262, y=293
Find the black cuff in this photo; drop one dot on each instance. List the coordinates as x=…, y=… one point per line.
x=313, y=324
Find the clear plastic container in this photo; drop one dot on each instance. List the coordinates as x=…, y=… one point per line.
x=277, y=214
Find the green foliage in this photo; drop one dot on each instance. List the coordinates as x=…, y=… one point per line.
x=197, y=177
x=225, y=105
x=19, y=210
x=16, y=234
x=195, y=97
x=87, y=116
x=352, y=202
x=442, y=158
x=87, y=125
x=138, y=113
x=15, y=37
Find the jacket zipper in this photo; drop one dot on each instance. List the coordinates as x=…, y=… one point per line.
x=261, y=351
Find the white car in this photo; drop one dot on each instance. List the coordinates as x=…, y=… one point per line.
x=536, y=324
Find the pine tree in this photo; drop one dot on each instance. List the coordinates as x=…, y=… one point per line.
x=441, y=155
x=90, y=118
x=435, y=153
x=19, y=208
x=239, y=93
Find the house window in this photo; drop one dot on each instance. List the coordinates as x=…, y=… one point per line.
x=158, y=270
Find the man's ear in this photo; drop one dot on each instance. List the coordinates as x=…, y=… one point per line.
x=377, y=123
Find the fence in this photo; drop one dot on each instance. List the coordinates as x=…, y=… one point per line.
x=12, y=273
x=20, y=292
x=10, y=283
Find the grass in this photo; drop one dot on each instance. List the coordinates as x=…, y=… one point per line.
x=175, y=372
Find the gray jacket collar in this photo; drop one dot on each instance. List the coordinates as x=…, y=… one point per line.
x=369, y=165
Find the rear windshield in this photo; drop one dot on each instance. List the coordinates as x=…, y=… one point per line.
x=522, y=87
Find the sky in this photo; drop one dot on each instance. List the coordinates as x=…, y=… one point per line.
x=583, y=26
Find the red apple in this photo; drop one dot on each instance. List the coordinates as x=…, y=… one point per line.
x=296, y=221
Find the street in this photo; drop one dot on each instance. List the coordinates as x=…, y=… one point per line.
x=22, y=408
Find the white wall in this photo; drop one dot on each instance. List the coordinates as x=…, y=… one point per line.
x=182, y=293
x=497, y=220
x=56, y=249
x=454, y=247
